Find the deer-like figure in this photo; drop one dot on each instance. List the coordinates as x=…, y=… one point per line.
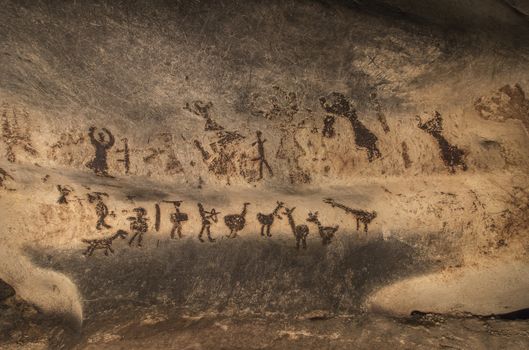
x=236, y=222
x=362, y=216
x=326, y=232
x=266, y=220
x=104, y=243
x=300, y=231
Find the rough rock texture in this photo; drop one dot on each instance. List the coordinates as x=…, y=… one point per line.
x=133, y=133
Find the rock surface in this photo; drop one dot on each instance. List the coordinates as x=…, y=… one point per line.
x=394, y=132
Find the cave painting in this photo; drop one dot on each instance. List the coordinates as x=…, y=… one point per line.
x=267, y=220
x=337, y=104
x=103, y=243
x=375, y=103
x=300, y=231
x=451, y=155
x=203, y=152
x=509, y=102
x=177, y=219
x=101, y=144
x=206, y=216
x=236, y=222
x=203, y=109
x=101, y=208
x=261, y=155
x=138, y=225
x=14, y=136
x=4, y=176
x=65, y=192
x=405, y=155
x=163, y=150
x=362, y=216
x=328, y=126
x=158, y=217
x=326, y=232
x=126, y=154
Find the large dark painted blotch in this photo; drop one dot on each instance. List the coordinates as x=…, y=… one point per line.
x=101, y=145
x=336, y=103
x=451, y=155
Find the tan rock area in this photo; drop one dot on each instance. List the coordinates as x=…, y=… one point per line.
x=275, y=175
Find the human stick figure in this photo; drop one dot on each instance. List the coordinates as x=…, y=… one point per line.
x=177, y=218
x=138, y=225
x=101, y=144
x=101, y=208
x=261, y=158
x=206, y=216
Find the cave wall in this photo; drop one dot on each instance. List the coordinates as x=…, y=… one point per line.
x=417, y=126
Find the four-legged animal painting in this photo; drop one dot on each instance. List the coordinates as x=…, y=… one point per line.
x=266, y=220
x=103, y=243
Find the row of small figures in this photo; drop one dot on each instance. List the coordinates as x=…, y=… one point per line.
x=235, y=222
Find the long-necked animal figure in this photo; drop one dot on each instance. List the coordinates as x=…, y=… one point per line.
x=360, y=215
x=236, y=222
x=266, y=220
x=104, y=243
x=300, y=231
x=326, y=232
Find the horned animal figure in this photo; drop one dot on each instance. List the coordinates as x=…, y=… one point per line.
x=326, y=232
x=104, y=243
x=300, y=231
x=236, y=222
x=266, y=220
x=360, y=215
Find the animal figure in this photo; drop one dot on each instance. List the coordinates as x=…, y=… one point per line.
x=300, y=231
x=266, y=220
x=206, y=224
x=452, y=156
x=236, y=222
x=360, y=215
x=104, y=243
x=326, y=232
x=336, y=103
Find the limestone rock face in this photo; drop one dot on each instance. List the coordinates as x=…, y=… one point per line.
x=184, y=174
